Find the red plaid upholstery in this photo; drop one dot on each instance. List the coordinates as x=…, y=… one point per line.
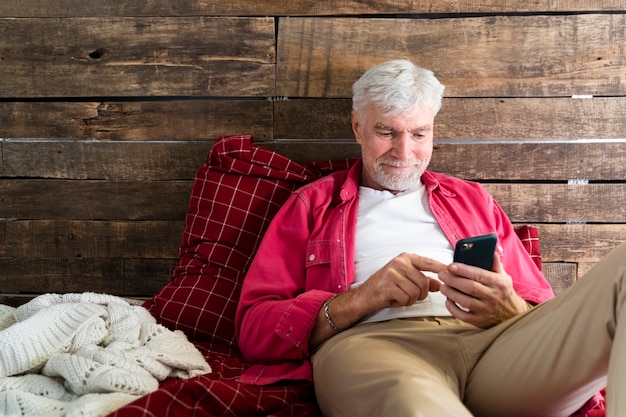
x=235, y=194
x=529, y=235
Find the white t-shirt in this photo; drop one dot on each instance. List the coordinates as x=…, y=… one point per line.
x=389, y=224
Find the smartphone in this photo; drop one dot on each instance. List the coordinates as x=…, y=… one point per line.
x=476, y=250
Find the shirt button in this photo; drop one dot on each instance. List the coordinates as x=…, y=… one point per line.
x=311, y=257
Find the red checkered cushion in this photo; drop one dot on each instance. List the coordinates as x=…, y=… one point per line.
x=529, y=235
x=235, y=194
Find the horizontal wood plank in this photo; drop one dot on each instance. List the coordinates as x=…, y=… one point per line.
x=124, y=277
x=149, y=56
x=136, y=120
x=559, y=203
x=469, y=118
x=560, y=275
x=549, y=161
x=124, y=161
x=537, y=56
x=584, y=243
x=579, y=243
x=92, y=239
x=87, y=200
x=74, y=8
x=73, y=239
x=495, y=160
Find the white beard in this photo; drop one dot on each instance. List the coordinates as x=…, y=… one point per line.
x=396, y=182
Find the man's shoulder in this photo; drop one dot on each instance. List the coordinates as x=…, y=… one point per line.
x=332, y=181
x=454, y=186
x=327, y=184
x=449, y=180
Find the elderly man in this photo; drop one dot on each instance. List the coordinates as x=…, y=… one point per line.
x=354, y=287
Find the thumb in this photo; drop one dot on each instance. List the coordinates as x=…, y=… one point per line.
x=497, y=264
x=433, y=284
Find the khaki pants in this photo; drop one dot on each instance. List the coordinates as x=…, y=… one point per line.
x=546, y=362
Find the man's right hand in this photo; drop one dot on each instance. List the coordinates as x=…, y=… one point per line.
x=400, y=283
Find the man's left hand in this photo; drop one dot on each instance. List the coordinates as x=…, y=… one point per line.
x=480, y=297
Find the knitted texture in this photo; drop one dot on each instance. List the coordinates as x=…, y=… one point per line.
x=6, y=316
x=86, y=354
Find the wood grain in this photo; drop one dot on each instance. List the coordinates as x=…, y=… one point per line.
x=74, y=8
x=107, y=109
x=189, y=119
x=93, y=239
x=476, y=118
x=150, y=56
x=560, y=275
x=92, y=199
x=496, y=161
x=579, y=243
x=127, y=277
x=124, y=161
x=537, y=56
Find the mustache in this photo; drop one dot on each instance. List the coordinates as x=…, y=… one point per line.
x=399, y=164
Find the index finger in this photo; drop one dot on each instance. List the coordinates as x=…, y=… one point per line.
x=472, y=273
x=423, y=263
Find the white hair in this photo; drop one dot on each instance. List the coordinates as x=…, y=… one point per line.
x=395, y=87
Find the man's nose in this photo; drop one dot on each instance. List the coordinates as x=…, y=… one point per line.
x=403, y=146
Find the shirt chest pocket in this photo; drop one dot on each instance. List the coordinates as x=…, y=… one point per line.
x=320, y=269
x=317, y=253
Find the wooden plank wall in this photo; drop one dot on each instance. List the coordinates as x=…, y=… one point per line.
x=107, y=109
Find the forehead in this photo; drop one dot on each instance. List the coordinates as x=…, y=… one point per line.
x=417, y=119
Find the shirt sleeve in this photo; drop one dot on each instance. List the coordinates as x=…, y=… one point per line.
x=276, y=311
x=528, y=281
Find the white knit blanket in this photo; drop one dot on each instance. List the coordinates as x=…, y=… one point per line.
x=85, y=355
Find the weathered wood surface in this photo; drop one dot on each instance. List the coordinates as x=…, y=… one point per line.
x=128, y=277
x=38, y=199
x=536, y=55
x=470, y=118
x=579, y=243
x=132, y=161
x=560, y=275
x=82, y=239
x=107, y=109
x=137, y=278
x=167, y=200
x=195, y=119
x=69, y=8
x=562, y=203
x=151, y=56
x=159, y=161
x=557, y=161
x=497, y=161
x=69, y=239
x=499, y=118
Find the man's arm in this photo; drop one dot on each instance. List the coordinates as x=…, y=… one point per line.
x=400, y=283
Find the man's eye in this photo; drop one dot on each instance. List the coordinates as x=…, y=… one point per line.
x=386, y=135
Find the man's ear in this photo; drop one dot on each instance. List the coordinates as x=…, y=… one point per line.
x=355, y=126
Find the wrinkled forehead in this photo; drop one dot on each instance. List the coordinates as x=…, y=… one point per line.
x=420, y=117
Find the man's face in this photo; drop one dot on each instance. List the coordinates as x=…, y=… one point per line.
x=396, y=150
